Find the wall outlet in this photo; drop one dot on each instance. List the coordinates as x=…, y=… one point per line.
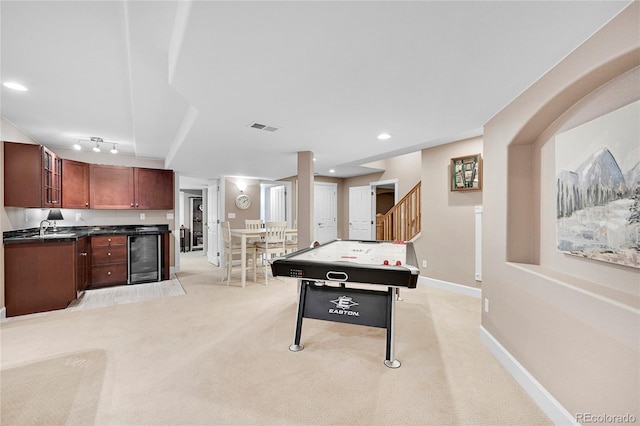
x=142, y=216
x=78, y=216
x=26, y=215
x=424, y=263
x=478, y=277
x=486, y=305
x=231, y=215
x=169, y=215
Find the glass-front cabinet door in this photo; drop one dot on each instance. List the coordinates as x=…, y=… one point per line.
x=51, y=176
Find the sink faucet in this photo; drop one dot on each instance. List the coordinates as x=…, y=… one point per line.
x=44, y=227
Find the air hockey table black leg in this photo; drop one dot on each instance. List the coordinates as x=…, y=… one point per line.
x=398, y=298
x=296, y=346
x=390, y=360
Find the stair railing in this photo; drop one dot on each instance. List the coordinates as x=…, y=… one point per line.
x=403, y=221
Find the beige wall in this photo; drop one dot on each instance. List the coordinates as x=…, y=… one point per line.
x=231, y=191
x=406, y=168
x=572, y=323
x=448, y=218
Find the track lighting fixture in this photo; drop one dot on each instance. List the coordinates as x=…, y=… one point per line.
x=97, y=147
x=97, y=141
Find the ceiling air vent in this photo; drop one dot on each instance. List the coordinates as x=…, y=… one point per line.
x=263, y=127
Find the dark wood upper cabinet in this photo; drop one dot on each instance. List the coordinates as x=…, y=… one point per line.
x=32, y=176
x=75, y=185
x=51, y=179
x=119, y=187
x=111, y=187
x=35, y=177
x=154, y=189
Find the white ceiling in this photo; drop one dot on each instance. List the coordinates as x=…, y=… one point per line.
x=182, y=81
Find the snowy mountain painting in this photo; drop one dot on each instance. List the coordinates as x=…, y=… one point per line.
x=598, y=188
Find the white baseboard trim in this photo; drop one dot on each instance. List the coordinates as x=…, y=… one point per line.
x=3, y=313
x=547, y=403
x=452, y=287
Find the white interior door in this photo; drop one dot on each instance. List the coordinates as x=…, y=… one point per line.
x=277, y=203
x=325, y=208
x=360, y=217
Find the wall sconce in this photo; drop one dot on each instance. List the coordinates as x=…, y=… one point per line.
x=241, y=186
x=55, y=214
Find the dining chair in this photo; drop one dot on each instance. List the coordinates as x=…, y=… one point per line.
x=232, y=248
x=291, y=243
x=255, y=224
x=273, y=244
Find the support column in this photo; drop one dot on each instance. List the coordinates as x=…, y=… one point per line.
x=305, y=199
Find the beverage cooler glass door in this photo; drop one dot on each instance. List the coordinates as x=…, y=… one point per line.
x=144, y=259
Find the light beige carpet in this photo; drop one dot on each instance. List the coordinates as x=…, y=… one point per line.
x=219, y=355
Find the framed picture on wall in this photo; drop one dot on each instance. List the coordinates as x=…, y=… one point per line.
x=466, y=173
x=598, y=188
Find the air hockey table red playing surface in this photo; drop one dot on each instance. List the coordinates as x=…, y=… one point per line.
x=325, y=273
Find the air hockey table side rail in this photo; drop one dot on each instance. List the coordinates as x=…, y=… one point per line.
x=299, y=265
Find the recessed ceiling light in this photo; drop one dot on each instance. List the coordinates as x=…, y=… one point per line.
x=332, y=171
x=15, y=86
x=77, y=147
x=384, y=136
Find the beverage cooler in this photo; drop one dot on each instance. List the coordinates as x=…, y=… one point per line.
x=144, y=259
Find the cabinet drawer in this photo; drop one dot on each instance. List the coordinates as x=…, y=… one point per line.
x=109, y=240
x=109, y=274
x=108, y=254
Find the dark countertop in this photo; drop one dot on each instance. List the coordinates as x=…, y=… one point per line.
x=72, y=233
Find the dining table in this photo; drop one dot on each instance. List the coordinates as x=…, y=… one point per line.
x=244, y=234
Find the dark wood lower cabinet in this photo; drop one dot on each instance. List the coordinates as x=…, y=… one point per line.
x=108, y=260
x=39, y=276
x=82, y=264
x=45, y=276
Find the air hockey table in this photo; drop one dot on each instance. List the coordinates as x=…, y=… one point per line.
x=326, y=272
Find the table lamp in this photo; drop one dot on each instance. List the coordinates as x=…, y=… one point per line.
x=55, y=214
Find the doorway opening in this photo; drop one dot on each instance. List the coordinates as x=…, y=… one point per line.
x=384, y=197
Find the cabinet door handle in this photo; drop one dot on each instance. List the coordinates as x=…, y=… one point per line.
x=109, y=273
x=109, y=239
x=131, y=204
x=86, y=204
x=83, y=254
x=108, y=254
